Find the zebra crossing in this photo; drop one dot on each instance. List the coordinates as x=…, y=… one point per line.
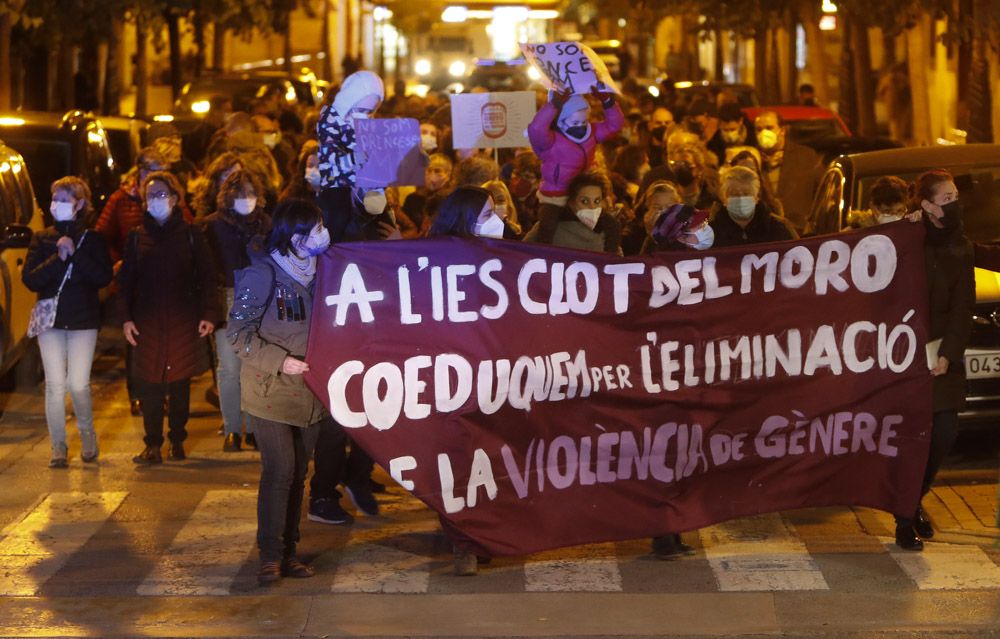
x=212, y=553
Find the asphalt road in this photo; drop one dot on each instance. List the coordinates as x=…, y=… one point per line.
x=113, y=550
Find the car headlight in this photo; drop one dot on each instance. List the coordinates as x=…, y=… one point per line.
x=457, y=69
x=422, y=67
x=201, y=107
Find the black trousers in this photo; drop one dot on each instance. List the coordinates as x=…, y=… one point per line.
x=153, y=395
x=332, y=465
x=944, y=430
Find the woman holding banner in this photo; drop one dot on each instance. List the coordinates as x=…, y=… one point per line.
x=952, y=288
x=269, y=328
x=583, y=223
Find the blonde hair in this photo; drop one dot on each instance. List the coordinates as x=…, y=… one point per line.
x=497, y=187
x=738, y=175
x=79, y=190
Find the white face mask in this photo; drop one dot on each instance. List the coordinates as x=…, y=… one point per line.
x=374, y=202
x=428, y=142
x=271, y=139
x=492, y=227
x=160, y=209
x=317, y=242
x=312, y=176
x=704, y=237
x=767, y=139
x=245, y=205
x=741, y=207
x=589, y=217
x=62, y=211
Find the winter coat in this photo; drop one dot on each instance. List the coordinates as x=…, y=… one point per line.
x=335, y=132
x=798, y=180
x=572, y=233
x=79, y=307
x=563, y=159
x=951, y=285
x=763, y=227
x=167, y=285
x=228, y=234
x=122, y=213
x=269, y=321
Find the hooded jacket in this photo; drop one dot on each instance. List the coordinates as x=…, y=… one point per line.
x=562, y=158
x=335, y=131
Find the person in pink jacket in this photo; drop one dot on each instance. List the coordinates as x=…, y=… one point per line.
x=564, y=139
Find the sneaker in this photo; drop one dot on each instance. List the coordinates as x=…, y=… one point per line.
x=269, y=573
x=669, y=547
x=465, y=564
x=232, y=443
x=177, y=451
x=222, y=430
x=148, y=456
x=292, y=567
x=251, y=441
x=363, y=499
x=328, y=511
x=58, y=461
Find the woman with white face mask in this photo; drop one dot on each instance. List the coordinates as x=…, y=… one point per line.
x=743, y=218
x=505, y=208
x=68, y=262
x=168, y=303
x=306, y=179
x=239, y=220
x=268, y=327
x=584, y=223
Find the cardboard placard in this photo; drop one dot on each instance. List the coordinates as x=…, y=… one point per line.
x=388, y=152
x=491, y=120
x=569, y=66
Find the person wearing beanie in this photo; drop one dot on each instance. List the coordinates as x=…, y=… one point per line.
x=360, y=95
x=564, y=139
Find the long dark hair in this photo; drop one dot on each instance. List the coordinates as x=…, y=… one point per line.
x=459, y=212
x=292, y=216
x=925, y=186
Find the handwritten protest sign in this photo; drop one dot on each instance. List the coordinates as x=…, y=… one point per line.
x=388, y=152
x=539, y=397
x=569, y=66
x=491, y=120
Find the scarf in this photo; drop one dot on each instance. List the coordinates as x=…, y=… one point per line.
x=300, y=269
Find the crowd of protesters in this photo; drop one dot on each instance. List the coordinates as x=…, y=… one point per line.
x=213, y=240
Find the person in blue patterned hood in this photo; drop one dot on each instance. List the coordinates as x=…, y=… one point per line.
x=360, y=95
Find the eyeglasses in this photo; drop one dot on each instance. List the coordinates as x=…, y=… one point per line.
x=159, y=195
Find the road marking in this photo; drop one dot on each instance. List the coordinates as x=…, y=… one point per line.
x=947, y=566
x=210, y=549
x=760, y=554
x=594, y=568
x=388, y=554
x=37, y=545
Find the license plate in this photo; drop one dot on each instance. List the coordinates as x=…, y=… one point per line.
x=982, y=364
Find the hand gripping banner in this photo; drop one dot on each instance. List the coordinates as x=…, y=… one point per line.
x=538, y=397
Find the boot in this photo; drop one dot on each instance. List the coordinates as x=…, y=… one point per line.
x=906, y=538
x=233, y=443
x=89, y=448
x=465, y=563
x=58, y=459
x=149, y=455
x=922, y=525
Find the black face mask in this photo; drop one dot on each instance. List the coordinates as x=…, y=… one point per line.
x=656, y=135
x=683, y=173
x=952, y=214
x=577, y=131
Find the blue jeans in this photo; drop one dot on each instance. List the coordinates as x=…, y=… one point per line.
x=227, y=374
x=284, y=458
x=67, y=357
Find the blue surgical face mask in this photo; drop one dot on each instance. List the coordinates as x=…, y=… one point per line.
x=160, y=209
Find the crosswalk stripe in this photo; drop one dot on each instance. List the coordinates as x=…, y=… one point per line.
x=760, y=553
x=35, y=546
x=594, y=568
x=944, y=566
x=210, y=549
x=390, y=554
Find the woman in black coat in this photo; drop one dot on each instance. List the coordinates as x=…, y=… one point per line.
x=67, y=260
x=168, y=304
x=951, y=284
x=239, y=218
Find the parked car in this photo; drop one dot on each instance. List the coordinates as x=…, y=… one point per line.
x=843, y=195
x=806, y=124
x=499, y=76
x=126, y=136
x=242, y=88
x=56, y=145
x=20, y=219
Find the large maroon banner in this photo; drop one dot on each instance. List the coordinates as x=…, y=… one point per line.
x=538, y=397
